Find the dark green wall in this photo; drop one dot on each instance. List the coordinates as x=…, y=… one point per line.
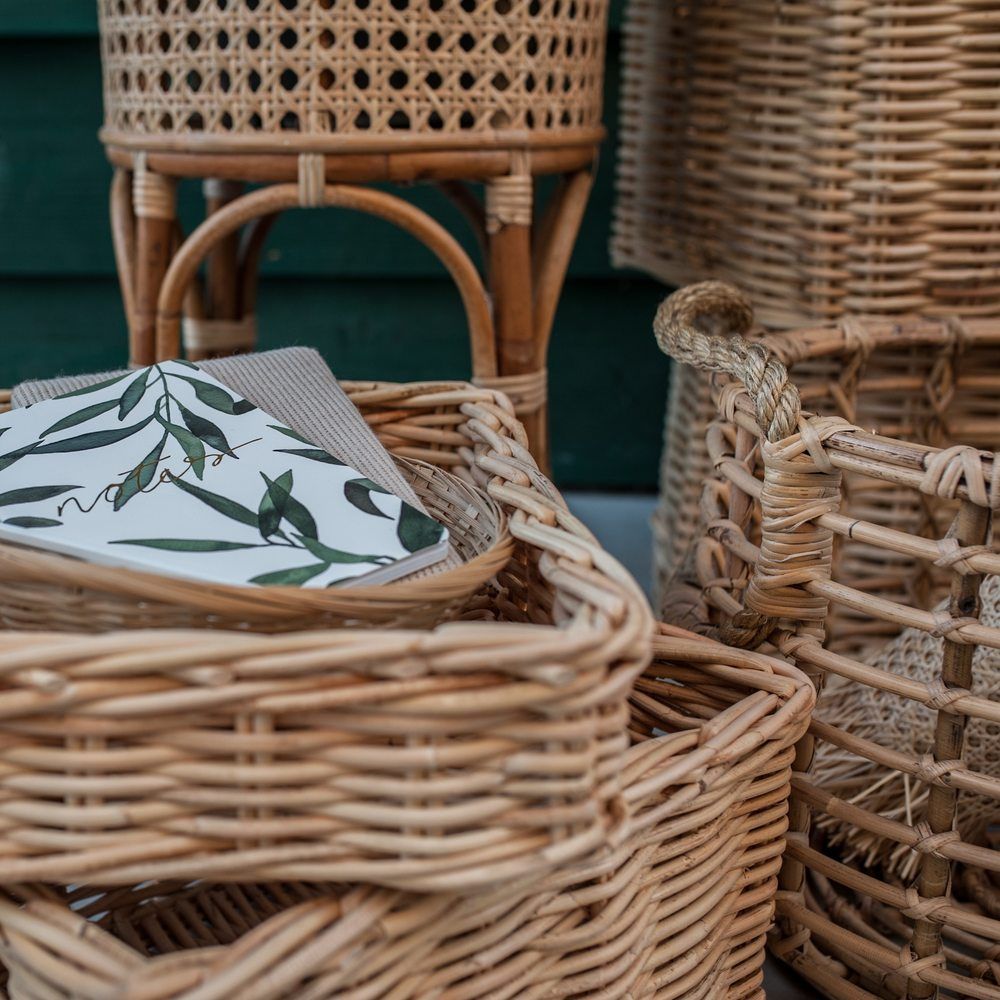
x=374, y=302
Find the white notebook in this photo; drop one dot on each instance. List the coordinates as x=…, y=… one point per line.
x=167, y=470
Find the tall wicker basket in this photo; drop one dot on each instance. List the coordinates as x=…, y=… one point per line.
x=828, y=158
x=849, y=523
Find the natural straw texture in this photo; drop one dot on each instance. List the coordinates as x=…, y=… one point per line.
x=677, y=907
x=829, y=158
x=479, y=752
x=321, y=76
x=830, y=541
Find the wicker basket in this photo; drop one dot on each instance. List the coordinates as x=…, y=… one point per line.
x=840, y=514
x=677, y=909
x=319, y=76
x=477, y=752
x=829, y=158
x=40, y=590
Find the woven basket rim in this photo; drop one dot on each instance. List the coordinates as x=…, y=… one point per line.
x=273, y=601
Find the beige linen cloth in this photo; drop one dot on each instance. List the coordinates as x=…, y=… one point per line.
x=294, y=385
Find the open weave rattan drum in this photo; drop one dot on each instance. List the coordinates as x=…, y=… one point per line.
x=223, y=75
x=676, y=907
x=849, y=523
x=301, y=95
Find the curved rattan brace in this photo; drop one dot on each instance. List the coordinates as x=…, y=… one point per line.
x=703, y=326
x=269, y=200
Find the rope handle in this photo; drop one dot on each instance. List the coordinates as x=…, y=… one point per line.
x=725, y=312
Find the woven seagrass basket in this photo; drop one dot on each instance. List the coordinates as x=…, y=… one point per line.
x=829, y=158
x=676, y=907
x=41, y=590
x=849, y=523
x=477, y=752
x=364, y=75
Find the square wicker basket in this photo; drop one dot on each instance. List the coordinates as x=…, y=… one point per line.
x=487, y=749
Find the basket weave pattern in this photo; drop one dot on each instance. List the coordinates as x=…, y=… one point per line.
x=677, y=909
x=828, y=158
x=308, y=73
x=478, y=752
x=849, y=503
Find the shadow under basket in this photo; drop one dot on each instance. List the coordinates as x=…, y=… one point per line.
x=676, y=906
x=44, y=590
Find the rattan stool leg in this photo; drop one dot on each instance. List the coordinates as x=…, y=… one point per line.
x=508, y=227
x=222, y=286
x=154, y=203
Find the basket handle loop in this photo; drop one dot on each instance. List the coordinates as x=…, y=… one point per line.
x=680, y=328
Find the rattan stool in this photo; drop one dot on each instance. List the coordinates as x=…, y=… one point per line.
x=313, y=97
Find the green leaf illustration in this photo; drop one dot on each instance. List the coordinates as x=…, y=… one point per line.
x=96, y=387
x=289, y=577
x=359, y=494
x=33, y=522
x=184, y=544
x=417, y=531
x=31, y=494
x=13, y=456
x=288, y=432
x=141, y=476
x=225, y=506
x=218, y=399
x=132, y=395
x=206, y=430
x=192, y=446
x=293, y=511
x=187, y=364
x=93, y=439
x=328, y=555
x=81, y=416
x=316, y=454
x=273, y=503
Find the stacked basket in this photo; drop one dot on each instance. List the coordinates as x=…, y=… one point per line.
x=465, y=811
x=848, y=523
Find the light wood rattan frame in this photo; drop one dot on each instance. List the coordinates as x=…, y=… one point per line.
x=307, y=96
x=676, y=908
x=431, y=761
x=824, y=534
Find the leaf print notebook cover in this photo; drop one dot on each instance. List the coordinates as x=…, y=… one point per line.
x=167, y=470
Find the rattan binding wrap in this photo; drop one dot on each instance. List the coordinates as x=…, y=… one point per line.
x=676, y=908
x=440, y=760
x=828, y=158
x=43, y=590
x=826, y=532
x=319, y=76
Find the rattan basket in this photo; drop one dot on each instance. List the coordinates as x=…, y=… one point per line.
x=319, y=76
x=478, y=752
x=829, y=158
x=848, y=505
x=42, y=590
x=677, y=908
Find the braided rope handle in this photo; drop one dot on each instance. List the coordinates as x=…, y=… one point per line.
x=680, y=328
